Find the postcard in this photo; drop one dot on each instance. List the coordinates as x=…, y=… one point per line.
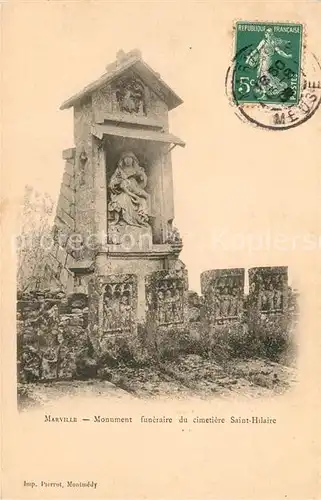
x=161, y=250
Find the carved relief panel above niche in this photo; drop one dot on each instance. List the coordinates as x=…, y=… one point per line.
x=128, y=98
x=131, y=96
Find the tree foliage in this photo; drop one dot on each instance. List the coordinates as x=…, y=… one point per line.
x=35, y=238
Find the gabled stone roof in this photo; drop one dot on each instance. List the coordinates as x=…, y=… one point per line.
x=132, y=60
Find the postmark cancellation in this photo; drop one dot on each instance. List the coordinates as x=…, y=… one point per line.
x=273, y=81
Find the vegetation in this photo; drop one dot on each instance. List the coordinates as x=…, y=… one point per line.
x=34, y=239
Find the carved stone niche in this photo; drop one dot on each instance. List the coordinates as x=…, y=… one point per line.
x=129, y=207
x=112, y=307
x=268, y=290
x=223, y=291
x=167, y=298
x=130, y=95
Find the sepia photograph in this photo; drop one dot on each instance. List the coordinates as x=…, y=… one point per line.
x=160, y=250
x=103, y=295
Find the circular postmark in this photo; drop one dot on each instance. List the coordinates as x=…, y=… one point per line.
x=275, y=93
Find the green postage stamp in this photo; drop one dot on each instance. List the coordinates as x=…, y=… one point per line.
x=267, y=63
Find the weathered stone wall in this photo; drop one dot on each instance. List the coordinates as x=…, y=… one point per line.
x=85, y=169
x=64, y=336
x=52, y=338
x=60, y=258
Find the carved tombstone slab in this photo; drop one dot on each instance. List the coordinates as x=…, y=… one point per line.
x=166, y=299
x=223, y=291
x=112, y=307
x=268, y=290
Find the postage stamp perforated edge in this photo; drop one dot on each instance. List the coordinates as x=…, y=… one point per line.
x=257, y=104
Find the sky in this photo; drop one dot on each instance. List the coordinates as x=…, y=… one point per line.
x=244, y=197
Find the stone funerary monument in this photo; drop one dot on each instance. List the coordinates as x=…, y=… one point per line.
x=113, y=231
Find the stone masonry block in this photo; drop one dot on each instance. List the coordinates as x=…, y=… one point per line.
x=68, y=193
x=69, y=261
x=73, y=211
x=64, y=204
x=54, y=264
x=66, y=179
x=54, y=250
x=69, y=153
x=65, y=277
x=62, y=233
x=69, y=168
x=69, y=221
x=72, y=184
x=61, y=255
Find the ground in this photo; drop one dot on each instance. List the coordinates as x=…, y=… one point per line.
x=188, y=376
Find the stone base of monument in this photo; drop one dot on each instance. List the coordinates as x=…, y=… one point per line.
x=140, y=263
x=125, y=238
x=145, y=294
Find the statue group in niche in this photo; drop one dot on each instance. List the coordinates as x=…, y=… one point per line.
x=228, y=293
x=129, y=202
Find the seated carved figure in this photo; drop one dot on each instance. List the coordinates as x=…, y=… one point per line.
x=129, y=202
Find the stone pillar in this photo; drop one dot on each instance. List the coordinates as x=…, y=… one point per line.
x=223, y=291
